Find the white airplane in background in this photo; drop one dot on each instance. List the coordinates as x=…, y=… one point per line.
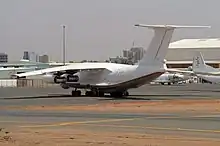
x=173, y=76
x=170, y=78
x=101, y=78
x=204, y=71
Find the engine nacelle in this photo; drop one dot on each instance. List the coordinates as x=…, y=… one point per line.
x=72, y=78
x=60, y=79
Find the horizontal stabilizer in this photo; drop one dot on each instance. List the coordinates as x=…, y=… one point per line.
x=170, y=26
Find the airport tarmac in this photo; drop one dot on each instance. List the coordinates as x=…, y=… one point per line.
x=56, y=95
x=190, y=112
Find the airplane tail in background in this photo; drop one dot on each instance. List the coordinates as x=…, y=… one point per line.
x=157, y=50
x=199, y=66
x=198, y=61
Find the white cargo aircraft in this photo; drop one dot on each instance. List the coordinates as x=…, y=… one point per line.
x=204, y=71
x=116, y=79
x=171, y=78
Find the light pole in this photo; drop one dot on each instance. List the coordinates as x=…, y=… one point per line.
x=64, y=44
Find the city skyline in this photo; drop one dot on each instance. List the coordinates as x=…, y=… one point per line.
x=96, y=30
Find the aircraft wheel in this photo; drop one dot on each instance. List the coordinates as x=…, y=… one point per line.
x=169, y=83
x=112, y=94
x=101, y=94
x=87, y=93
x=116, y=94
x=76, y=93
x=91, y=93
x=126, y=93
x=73, y=93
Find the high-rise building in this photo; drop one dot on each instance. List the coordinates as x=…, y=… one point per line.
x=44, y=58
x=3, y=57
x=125, y=53
x=37, y=58
x=138, y=53
x=134, y=54
x=26, y=55
x=33, y=57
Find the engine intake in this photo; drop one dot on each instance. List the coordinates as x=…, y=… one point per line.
x=58, y=79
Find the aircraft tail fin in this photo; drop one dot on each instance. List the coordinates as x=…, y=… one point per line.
x=157, y=50
x=199, y=65
x=198, y=61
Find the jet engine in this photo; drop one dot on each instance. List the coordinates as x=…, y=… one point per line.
x=66, y=78
x=58, y=79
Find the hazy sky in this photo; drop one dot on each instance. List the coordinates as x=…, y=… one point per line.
x=97, y=29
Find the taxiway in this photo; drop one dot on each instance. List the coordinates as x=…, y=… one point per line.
x=109, y=115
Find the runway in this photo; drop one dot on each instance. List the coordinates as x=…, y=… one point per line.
x=57, y=95
x=206, y=125
x=14, y=115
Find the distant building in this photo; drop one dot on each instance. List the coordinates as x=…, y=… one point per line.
x=44, y=58
x=33, y=57
x=37, y=58
x=138, y=53
x=120, y=60
x=3, y=58
x=134, y=54
x=125, y=53
x=26, y=55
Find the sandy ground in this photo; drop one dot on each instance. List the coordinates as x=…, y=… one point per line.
x=78, y=137
x=58, y=137
x=198, y=106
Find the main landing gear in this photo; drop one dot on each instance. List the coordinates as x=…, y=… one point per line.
x=76, y=93
x=92, y=93
x=96, y=93
x=119, y=94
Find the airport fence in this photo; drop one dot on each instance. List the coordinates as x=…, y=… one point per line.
x=21, y=83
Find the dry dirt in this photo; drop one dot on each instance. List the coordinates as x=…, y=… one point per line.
x=76, y=137
x=54, y=137
x=198, y=106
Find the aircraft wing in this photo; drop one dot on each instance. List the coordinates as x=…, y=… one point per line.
x=74, y=67
x=180, y=71
x=208, y=73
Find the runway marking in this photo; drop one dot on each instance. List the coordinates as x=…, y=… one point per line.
x=105, y=120
x=85, y=122
x=79, y=122
x=157, y=128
